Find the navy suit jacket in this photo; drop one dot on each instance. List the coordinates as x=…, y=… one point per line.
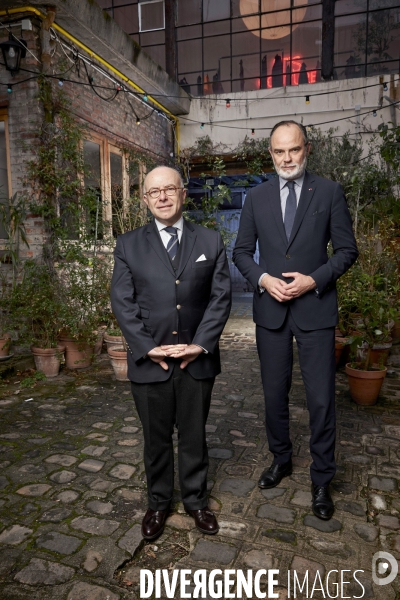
x=155, y=305
x=322, y=215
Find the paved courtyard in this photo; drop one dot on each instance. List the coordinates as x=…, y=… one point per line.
x=73, y=489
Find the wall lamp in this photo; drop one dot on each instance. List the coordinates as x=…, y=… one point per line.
x=13, y=50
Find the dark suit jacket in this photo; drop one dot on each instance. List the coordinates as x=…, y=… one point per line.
x=155, y=305
x=322, y=215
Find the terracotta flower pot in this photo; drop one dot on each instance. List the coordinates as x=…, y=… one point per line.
x=119, y=362
x=340, y=344
x=48, y=360
x=5, y=344
x=112, y=340
x=379, y=353
x=78, y=355
x=365, y=385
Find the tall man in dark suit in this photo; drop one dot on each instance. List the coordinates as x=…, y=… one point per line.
x=171, y=295
x=293, y=217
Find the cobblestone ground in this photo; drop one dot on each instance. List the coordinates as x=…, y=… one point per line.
x=73, y=492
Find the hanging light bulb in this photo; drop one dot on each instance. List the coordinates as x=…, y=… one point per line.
x=307, y=99
x=145, y=98
x=252, y=132
x=202, y=126
x=137, y=121
x=228, y=103
x=9, y=88
x=374, y=113
x=60, y=82
x=385, y=87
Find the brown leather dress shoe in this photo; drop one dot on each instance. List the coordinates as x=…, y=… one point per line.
x=205, y=520
x=153, y=523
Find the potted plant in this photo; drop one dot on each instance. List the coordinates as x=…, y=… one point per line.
x=36, y=305
x=119, y=360
x=373, y=299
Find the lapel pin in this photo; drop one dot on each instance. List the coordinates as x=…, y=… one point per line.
x=310, y=189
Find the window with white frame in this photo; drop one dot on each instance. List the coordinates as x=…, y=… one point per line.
x=151, y=15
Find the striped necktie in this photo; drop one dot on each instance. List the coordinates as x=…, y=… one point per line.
x=173, y=243
x=290, y=210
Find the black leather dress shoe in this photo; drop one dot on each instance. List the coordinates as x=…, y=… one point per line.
x=205, y=520
x=272, y=476
x=322, y=505
x=153, y=523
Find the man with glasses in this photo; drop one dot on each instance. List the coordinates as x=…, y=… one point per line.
x=171, y=295
x=293, y=217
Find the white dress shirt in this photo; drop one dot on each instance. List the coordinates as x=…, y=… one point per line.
x=165, y=236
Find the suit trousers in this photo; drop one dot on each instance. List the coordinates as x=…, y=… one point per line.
x=316, y=350
x=185, y=402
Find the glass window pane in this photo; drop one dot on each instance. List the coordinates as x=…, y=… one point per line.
x=214, y=50
x=350, y=37
x=306, y=57
x=151, y=15
x=275, y=54
x=157, y=53
x=3, y=170
x=239, y=25
x=244, y=7
x=343, y=7
x=151, y=38
x=189, y=58
x=373, y=4
x=278, y=24
x=189, y=11
x=127, y=18
x=246, y=61
x=116, y=191
x=185, y=33
x=213, y=10
x=216, y=28
x=383, y=40
x=307, y=14
x=92, y=182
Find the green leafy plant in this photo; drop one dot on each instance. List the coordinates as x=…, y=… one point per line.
x=13, y=214
x=31, y=381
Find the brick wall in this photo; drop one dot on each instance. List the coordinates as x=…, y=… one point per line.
x=114, y=121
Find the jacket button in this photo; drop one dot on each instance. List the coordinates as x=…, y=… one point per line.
x=174, y=333
x=177, y=282
x=287, y=256
x=178, y=306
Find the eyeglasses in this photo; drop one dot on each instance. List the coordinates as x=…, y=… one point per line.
x=170, y=190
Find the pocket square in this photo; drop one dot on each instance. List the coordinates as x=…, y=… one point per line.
x=202, y=257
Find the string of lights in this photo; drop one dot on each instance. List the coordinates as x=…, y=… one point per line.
x=77, y=58
x=253, y=130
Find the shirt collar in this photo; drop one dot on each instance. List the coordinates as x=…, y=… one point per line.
x=283, y=182
x=178, y=224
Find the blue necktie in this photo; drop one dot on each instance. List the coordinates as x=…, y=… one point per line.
x=173, y=243
x=290, y=210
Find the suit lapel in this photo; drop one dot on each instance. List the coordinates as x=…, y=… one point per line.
x=188, y=240
x=277, y=208
x=307, y=192
x=155, y=240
